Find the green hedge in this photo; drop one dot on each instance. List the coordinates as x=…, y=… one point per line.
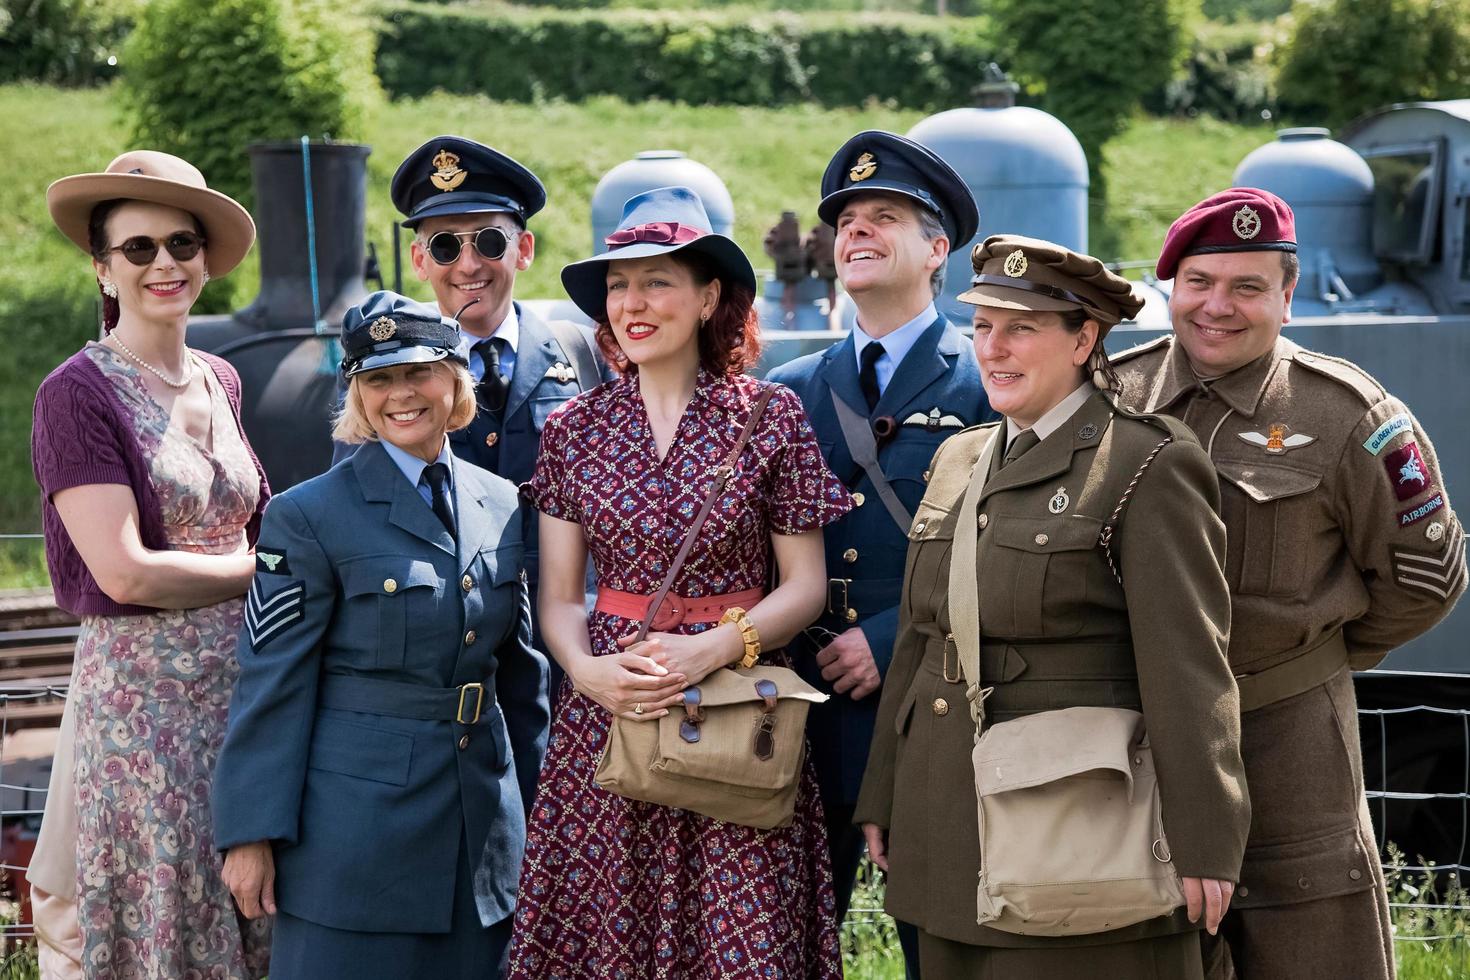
x=63, y=42
x=1227, y=74
x=522, y=55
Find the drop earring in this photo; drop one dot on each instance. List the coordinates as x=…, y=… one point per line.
x=109, y=288
x=205, y=281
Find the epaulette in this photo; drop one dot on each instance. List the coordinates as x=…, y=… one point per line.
x=1166, y=423
x=1132, y=352
x=1345, y=373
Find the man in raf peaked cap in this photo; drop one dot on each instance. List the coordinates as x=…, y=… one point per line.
x=1342, y=546
x=881, y=402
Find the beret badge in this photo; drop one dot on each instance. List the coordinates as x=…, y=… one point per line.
x=1246, y=223
x=383, y=328
x=1015, y=266
x=864, y=168
x=447, y=173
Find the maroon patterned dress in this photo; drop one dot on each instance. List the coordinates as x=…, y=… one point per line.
x=614, y=888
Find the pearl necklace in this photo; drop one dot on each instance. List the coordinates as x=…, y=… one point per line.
x=187, y=379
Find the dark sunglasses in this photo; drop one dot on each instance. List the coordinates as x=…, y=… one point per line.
x=444, y=246
x=182, y=245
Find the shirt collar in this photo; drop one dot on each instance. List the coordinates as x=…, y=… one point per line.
x=1056, y=415
x=1241, y=389
x=508, y=331
x=412, y=467
x=897, y=343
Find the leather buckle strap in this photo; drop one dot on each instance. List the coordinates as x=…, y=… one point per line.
x=838, y=587
x=397, y=699
x=675, y=609
x=478, y=690
x=693, y=716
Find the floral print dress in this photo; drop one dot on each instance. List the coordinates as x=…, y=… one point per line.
x=152, y=696
x=615, y=888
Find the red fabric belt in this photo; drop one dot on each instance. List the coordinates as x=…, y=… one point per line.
x=675, y=609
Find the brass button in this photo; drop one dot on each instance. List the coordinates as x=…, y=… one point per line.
x=858, y=499
x=1043, y=538
x=467, y=583
x=1243, y=892
x=850, y=555
x=941, y=707
x=464, y=742
x=852, y=615
x=492, y=439
x=1303, y=883
x=984, y=521
x=390, y=585
x=1355, y=874
x=919, y=527
x=469, y=638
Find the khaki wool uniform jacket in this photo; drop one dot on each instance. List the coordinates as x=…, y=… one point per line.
x=1058, y=631
x=1341, y=541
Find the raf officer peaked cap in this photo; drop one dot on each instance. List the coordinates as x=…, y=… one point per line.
x=875, y=161
x=387, y=329
x=1242, y=219
x=451, y=175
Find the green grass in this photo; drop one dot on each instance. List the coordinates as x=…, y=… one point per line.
x=771, y=160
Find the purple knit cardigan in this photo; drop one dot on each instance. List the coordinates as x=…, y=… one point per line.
x=81, y=435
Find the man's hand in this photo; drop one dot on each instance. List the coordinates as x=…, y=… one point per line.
x=877, y=839
x=848, y=665
x=250, y=875
x=1210, y=895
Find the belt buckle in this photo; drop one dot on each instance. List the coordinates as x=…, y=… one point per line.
x=949, y=644
x=832, y=585
x=464, y=690
x=670, y=613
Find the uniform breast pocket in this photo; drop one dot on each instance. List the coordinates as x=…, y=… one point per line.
x=926, y=572
x=542, y=406
x=906, y=463
x=1035, y=576
x=1270, y=513
x=398, y=593
x=500, y=569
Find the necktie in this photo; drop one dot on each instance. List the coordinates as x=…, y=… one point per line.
x=436, y=475
x=493, y=386
x=868, y=375
x=1023, y=442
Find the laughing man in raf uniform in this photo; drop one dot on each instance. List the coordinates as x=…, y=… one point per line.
x=881, y=402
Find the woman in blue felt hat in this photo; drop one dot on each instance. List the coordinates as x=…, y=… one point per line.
x=613, y=886
x=390, y=717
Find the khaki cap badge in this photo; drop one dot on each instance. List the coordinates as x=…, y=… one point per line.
x=1246, y=224
x=447, y=174
x=865, y=167
x=1016, y=264
x=383, y=328
x=1275, y=440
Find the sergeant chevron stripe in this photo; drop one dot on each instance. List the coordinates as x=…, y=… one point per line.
x=1439, y=573
x=268, y=615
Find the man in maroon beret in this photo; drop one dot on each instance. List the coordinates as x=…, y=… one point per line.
x=1342, y=546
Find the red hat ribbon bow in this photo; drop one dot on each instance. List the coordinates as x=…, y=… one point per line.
x=655, y=233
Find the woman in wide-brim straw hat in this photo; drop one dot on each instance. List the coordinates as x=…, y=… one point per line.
x=152, y=502
x=1008, y=561
x=611, y=886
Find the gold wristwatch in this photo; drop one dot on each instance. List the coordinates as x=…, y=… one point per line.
x=748, y=635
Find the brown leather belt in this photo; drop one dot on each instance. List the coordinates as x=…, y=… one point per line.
x=676, y=609
x=1311, y=668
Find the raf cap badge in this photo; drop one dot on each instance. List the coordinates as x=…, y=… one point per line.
x=383, y=328
x=1247, y=223
x=561, y=373
x=1016, y=263
x=865, y=167
x=1275, y=441
x=447, y=173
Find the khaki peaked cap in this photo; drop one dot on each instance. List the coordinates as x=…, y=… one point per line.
x=1018, y=273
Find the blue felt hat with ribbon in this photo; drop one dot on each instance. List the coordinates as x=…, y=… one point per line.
x=666, y=219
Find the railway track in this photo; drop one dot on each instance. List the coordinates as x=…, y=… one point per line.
x=36, y=644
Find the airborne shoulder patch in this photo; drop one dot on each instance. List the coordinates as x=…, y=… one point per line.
x=270, y=612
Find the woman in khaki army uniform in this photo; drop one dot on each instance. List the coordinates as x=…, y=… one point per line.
x=1064, y=622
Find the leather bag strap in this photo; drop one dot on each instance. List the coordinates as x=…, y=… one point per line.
x=722, y=476
x=964, y=586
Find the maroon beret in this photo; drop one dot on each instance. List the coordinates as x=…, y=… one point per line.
x=1242, y=219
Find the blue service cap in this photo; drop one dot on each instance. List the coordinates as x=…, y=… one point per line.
x=387, y=328
x=876, y=161
x=453, y=175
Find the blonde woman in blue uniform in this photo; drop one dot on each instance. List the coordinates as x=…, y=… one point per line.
x=391, y=715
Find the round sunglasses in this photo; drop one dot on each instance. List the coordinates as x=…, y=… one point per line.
x=140, y=250
x=444, y=247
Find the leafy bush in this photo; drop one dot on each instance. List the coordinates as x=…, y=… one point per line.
x=66, y=42
x=699, y=59
x=1345, y=57
x=204, y=80
x=1227, y=74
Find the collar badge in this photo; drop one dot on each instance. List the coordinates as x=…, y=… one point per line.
x=1275, y=440
x=1247, y=223
x=447, y=174
x=383, y=328
x=865, y=167
x=1016, y=264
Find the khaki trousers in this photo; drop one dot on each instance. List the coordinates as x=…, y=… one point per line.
x=1174, y=957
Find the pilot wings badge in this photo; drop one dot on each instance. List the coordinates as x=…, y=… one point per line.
x=1275, y=440
x=935, y=420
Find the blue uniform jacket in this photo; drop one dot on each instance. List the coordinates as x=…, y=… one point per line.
x=935, y=392
x=344, y=746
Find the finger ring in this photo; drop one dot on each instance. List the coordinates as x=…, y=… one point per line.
x=638, y=708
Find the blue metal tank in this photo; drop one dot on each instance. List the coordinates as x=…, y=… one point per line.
x=658, y=168
x=1330, y=189
x=1027, y=171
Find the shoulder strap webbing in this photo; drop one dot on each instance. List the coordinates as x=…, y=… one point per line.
x=577, y=349
x=964, y=587
x=858, y=435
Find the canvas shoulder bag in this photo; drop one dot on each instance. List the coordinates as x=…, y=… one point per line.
x=733, y=749
x=1071, y=826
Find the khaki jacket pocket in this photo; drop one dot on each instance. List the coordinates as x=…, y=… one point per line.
x=1268, y=508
